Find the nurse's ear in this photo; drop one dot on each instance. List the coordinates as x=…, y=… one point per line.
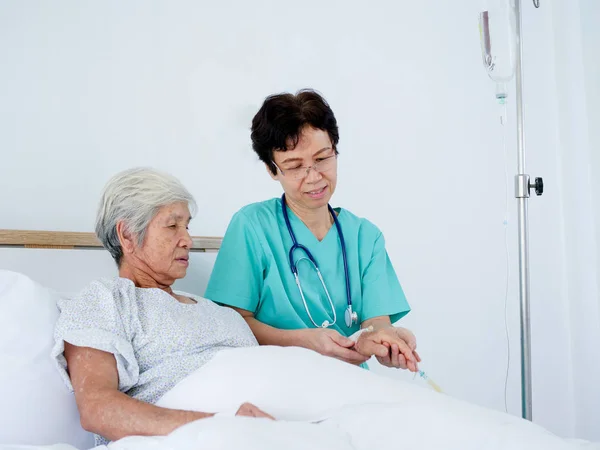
x=275, y=175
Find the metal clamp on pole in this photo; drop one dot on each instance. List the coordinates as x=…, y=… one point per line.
x=523, y=186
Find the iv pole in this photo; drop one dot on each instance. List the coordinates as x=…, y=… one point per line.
x=522, y=188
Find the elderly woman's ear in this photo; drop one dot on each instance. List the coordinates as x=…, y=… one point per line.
x=126, y=238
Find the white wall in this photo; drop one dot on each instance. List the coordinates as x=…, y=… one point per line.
x=575, y=42
x=92, y=88
x=590, y=17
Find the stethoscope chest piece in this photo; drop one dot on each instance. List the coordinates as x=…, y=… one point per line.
x=351, y=317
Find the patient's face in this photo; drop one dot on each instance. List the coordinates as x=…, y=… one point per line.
x=167, y=244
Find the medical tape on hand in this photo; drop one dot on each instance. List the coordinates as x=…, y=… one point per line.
x=356, y=335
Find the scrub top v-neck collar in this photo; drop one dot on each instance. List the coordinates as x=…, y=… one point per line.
x=303, y=233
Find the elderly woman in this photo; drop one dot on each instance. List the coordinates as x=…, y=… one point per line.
x=123, y=342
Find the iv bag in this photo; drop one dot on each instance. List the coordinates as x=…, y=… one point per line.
x=497, y=30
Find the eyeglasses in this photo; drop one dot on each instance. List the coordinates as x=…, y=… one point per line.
x=322, y=165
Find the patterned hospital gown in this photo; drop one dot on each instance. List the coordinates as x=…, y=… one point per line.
x=156, y=340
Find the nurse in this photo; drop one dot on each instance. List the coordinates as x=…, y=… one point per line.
x=300, y=272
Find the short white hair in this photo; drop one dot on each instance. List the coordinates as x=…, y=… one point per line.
x=134, y=197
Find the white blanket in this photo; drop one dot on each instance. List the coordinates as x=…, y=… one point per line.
x=371, y=411
x=322, y=403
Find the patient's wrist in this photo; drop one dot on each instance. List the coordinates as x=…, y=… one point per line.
x=197, y=415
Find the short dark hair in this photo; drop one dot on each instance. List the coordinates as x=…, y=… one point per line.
x=281, y=119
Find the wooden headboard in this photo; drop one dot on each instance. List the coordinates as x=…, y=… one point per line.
x=80, y=240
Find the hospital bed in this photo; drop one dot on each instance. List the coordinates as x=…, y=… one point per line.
x=335, y=407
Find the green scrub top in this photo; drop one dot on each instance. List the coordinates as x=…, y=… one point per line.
x=252, y=270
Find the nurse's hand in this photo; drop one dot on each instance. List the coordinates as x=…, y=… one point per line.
x=331, y=343
x=393, y=347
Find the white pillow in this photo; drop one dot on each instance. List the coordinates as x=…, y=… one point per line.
x=36, y=408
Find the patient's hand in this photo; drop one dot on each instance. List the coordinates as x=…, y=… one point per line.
x=329, y=342
x=393, y=347
x=249, y=410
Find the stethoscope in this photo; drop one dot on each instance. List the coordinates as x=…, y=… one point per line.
x=350, y=316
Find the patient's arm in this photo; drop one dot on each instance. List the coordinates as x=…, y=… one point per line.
x=106, y=411
x=325, y=341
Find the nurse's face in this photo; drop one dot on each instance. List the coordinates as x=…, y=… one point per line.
x=312, y=189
